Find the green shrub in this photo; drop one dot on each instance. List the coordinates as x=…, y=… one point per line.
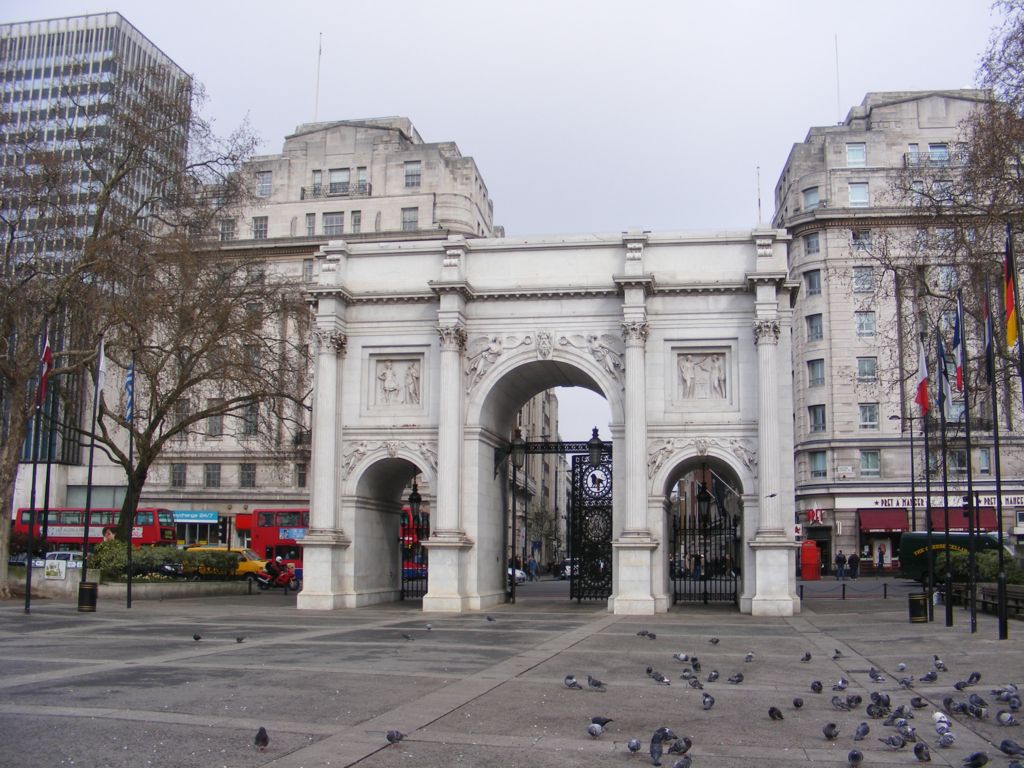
x=986, y=566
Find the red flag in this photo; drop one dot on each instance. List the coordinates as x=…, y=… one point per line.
x=1009, y=295
x=922, y=379
x=47, y=365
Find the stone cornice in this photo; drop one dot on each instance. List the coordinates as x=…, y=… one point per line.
x=635, y=281
x=460, y=287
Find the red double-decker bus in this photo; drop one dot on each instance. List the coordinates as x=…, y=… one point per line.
x=65, y=526
x=279, y=533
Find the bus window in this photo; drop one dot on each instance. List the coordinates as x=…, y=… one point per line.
x=265, y=519
x=288, y=519
x=143, y=518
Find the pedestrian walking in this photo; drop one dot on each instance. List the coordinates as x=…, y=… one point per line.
x=840, y=565
x=531, y=569
x=853, y=563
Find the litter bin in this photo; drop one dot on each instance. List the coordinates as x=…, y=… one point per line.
x=918, y=605
x=87, y=592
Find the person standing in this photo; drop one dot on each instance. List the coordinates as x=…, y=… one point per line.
x=840, y=565
x=881, y=556
x=531, y=569
x=853, y=562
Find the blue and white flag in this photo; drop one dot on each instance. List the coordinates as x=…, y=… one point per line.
x=129, y=393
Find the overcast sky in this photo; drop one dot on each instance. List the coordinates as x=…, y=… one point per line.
x=582, y=116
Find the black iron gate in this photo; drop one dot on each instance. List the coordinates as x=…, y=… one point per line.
x=412, y=532
x=704, y=567
x=590, y=570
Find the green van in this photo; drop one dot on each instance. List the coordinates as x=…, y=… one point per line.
x=914, y=550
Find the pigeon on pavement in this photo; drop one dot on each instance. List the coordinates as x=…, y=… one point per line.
x=946, y=740
x=855, y=757
x=695, y=683
x=239, y=639
x=749, y=657
x=939, y=664
x=1011, y=748
x=901, y=667
x=406, y=636
x=976, y=760
x=569, y=681
x=656, y=747
x=684, y=762
x=659, y=678
x=816, y=686
x=642, y=633
x=713, y=641
x=595, y=685
x=633, y=745
x=806, y=657
x=1006, y=718
x=775, y=713
x=894, y=741
x=875, y=675
x=602, y=721
x=841, y=684
x=490, y=618
x=680, y=746
x=929, y=677
x=712, y=675
x=595, y=730
x=798, y=703
x=197, y=637
x=917, y=702
x=262, y=739
x=681, y=657
x=862, y=730
x=836, y=654
x=838, y=702
x=831, y=731
x=736, y=679
x=394, y=737
x=708, y=701
x=921, y=752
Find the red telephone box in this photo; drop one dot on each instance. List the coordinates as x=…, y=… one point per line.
x=810, y=561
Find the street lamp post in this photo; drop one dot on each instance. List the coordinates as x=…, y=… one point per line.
x=913, y=474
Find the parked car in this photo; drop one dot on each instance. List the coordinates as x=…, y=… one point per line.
x=249, y=563
x=569, y=567
x=72, y=558
x=520, y=576
x=18, y=558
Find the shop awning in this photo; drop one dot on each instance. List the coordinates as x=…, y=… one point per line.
x=958, y=519
x=883, y=520
x=243, y=521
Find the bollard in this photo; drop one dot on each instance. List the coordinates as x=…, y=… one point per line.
x=885, y=591
x=801, y=592
x=844, y=591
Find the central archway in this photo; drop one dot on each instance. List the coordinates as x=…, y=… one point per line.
x=492, y=406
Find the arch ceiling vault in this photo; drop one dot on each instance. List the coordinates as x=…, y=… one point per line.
x=425, y=351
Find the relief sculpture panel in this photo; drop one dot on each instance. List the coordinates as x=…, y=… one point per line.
x=701, y=376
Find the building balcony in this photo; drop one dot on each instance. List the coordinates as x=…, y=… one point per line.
x=338, y=189
x=933, y=160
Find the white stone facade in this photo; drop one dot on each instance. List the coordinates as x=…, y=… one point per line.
x=490, y=323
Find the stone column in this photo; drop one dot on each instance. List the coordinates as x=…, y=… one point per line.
x=448, y=542
x=766, y=337
x=634, y=334
x=322, y=579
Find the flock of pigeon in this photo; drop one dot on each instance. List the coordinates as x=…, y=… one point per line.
x=880, y=708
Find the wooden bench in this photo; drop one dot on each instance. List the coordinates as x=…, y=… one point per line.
x=1014, y=598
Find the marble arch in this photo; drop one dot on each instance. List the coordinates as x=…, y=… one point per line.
x=425, y=349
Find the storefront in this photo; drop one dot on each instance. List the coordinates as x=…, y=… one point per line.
x=196, y=526
x=879, y=540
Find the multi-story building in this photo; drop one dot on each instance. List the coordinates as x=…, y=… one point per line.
x=70, y=86
x=855, y=352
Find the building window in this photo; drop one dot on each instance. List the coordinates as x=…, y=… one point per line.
x=334, y=223
x=811, y=199
x=361, y=179
x=938, y=154
x=816, y=373
x=917, y=192
x=307, y=270
x=958, y=460
x=211, y=475
x=942, y=191
x=264, y=179
x=179, y=415
x=227, y=230
x=356, y=218
x=863, y=279
x=259, y=227
x=338, y=179
x=300, y=474
x=812, y=244
x=251, y=420
x=865, y=323
x=870, y=463
x=858, y=191
x=247, y=475
x=179, y=474
x=310, y=224
x=816, y=417
x=867, y=368
x=856, y=155
x=812, y=282
x=913, y=154
x=410, y=219
x=413, y=169
x=868, y=415
x=215, y=421
x=861, y=239
x=819, y=466
x=946, y=279
x=814, y=328
x=318, y=182
x=984, y=461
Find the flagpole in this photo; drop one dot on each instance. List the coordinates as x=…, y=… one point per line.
x=943, y=377
x=990, y=371
x=1011, y=275
x=87, y=596
x=130, y=418
x=50, y=440
x=924, y=402
x=972, y=505
x=45, y=364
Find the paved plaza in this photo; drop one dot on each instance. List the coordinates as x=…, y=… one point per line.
x=133, y=688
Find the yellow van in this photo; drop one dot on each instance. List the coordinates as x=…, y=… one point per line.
x=249, y=563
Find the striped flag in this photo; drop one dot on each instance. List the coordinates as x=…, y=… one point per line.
x=921, y=398
x=46, y=365
x=129, y=392
x=958, y=344
x=944, y=394
x=1010, y=294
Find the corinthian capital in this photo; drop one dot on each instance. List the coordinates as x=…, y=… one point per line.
x=453, y=337
x=329, y=339
x=766, y=331
x=635, y=331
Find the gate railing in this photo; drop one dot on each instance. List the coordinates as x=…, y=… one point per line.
x=703, y=563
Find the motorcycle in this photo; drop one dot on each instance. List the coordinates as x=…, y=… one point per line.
x=285, y=578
